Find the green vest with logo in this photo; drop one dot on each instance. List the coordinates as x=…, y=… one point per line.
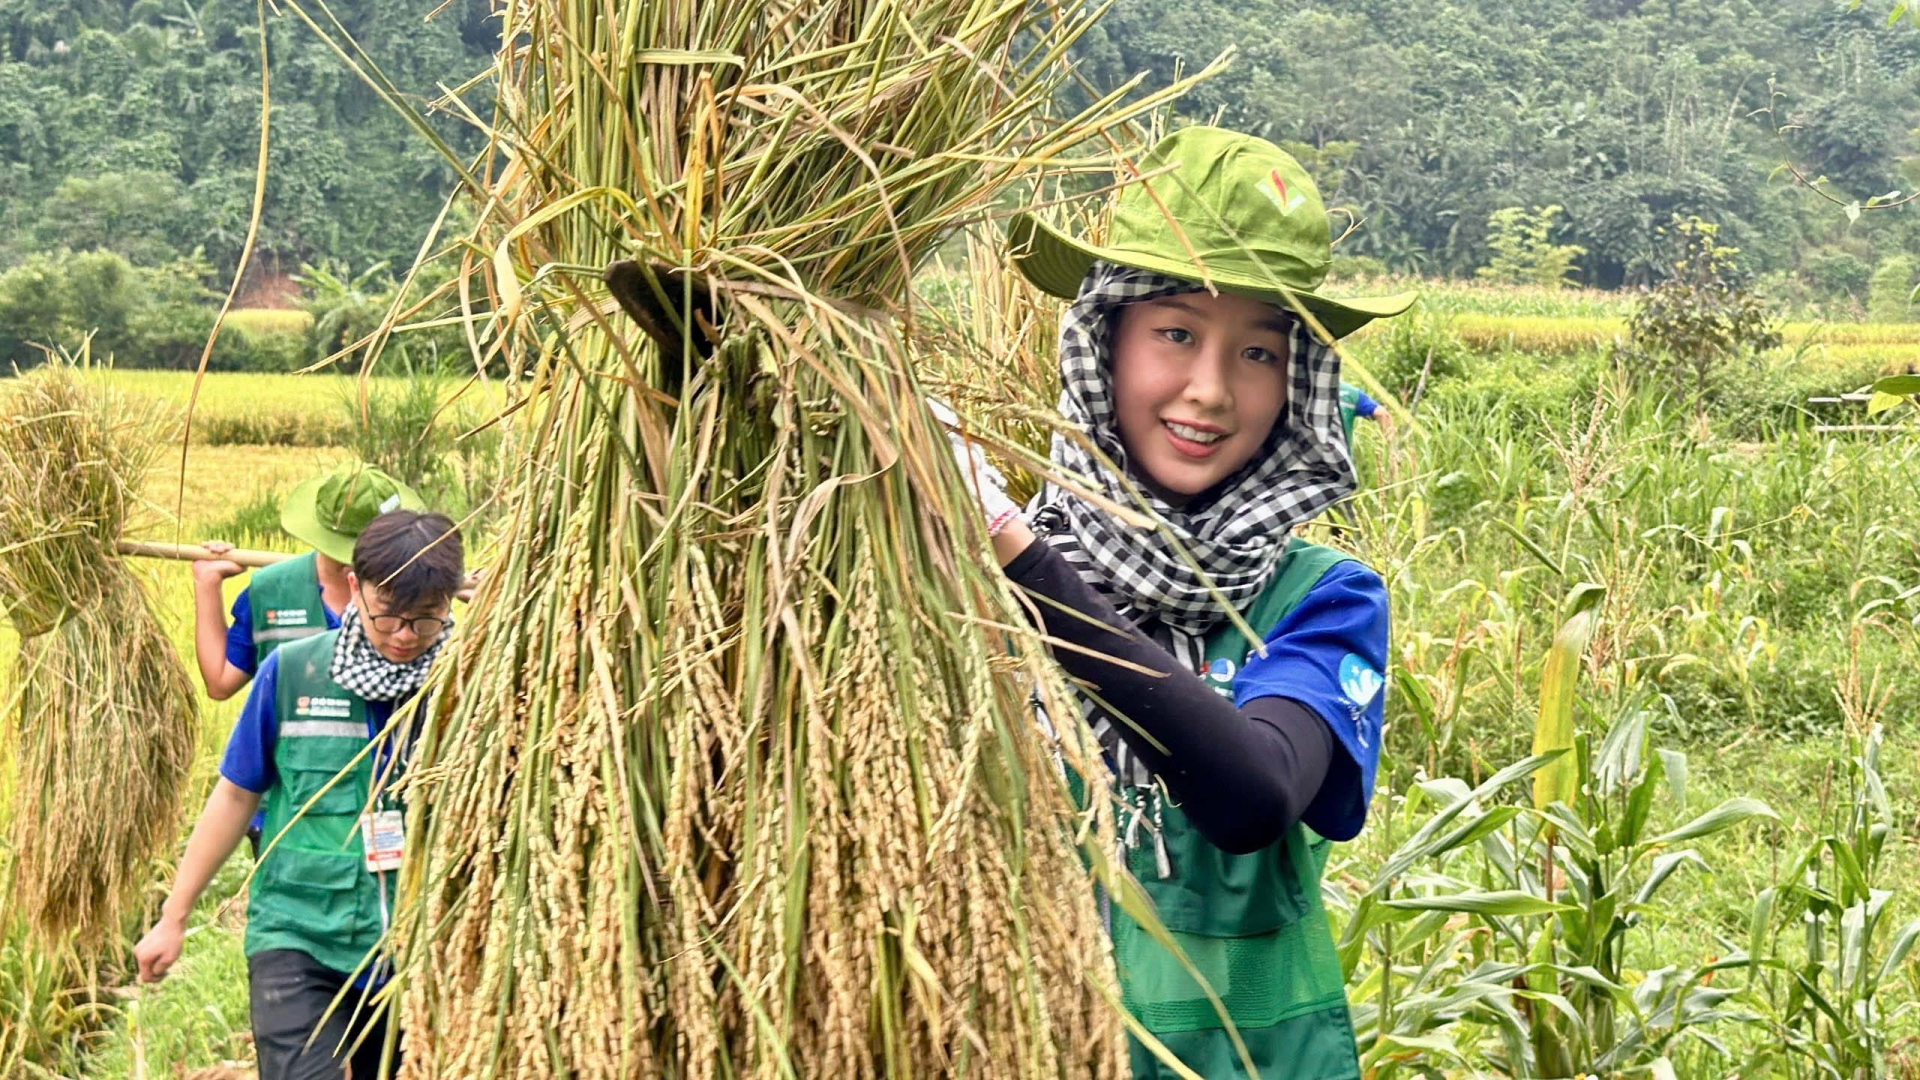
x=285, y=602
x=312, y=891
x=1252, y=924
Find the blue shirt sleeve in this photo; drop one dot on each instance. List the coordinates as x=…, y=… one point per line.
x=248, y=762
x=1364, y=405
x=240, y=634
x=1330, y=654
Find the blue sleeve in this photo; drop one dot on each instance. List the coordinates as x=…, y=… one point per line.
x=1330, y=654
x=1364, y=405
x=248, y=761
x=240, y=634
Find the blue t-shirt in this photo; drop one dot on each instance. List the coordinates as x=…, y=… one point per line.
x=1362, y=404
x=240, y=648
x=1330, y=654
x=248, y=761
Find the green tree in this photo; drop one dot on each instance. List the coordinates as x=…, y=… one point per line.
x=1522, y=248
x=1701, y=316
x=1889, y=293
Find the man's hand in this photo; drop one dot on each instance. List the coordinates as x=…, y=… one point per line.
x=158, y=950
x=1385, y=419
x=214, y=570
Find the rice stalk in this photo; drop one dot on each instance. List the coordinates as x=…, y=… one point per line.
x=105, y=719
x=990, y=351
x=733, y=773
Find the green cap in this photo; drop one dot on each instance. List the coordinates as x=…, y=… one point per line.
x=330, y=511
x=1250, y=218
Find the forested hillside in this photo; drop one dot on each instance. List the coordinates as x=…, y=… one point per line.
x=133, y=125
x=1425, y=116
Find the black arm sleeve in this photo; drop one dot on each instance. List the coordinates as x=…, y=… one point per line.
x=1243, y=776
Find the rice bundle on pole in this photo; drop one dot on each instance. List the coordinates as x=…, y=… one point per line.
x=733, y=773
x=103, y=726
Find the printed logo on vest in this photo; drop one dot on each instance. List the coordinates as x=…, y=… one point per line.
x=1359, y=681
x=286, y=616
x=1220, y=670
x=333, y=708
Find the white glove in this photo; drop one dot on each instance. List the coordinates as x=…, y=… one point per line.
x=988, y=486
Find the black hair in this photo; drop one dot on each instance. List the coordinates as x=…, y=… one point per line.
x=416, y=558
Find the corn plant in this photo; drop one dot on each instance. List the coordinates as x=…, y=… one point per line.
x=1510, y=925
x=1822, y=945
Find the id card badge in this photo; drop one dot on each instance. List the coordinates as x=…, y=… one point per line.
x=382, y=833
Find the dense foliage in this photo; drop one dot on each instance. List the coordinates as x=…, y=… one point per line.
x=133, y=126
x=1428, y=116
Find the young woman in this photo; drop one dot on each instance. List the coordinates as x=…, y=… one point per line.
x=1244, y=759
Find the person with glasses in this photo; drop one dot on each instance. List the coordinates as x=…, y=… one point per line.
x=316, y=752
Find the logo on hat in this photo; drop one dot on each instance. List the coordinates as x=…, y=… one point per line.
x=1278, y=196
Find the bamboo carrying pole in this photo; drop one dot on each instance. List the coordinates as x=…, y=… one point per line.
x=148, y=549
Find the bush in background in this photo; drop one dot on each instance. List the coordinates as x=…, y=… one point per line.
x=347, y=306
x=141, y=316
x=1523, y=251
x=1889, y=293
x=1834, y=273
x=1702, y=316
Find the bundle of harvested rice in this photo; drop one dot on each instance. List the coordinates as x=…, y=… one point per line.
x=105, y=718
x=733, y=773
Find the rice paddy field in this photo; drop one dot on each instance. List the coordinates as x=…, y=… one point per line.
x=1733, y=877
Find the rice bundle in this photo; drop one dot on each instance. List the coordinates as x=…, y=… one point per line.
x=733, y=772
x=105, y=719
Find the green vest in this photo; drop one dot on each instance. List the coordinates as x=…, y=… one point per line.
x=285, y=602
x=1349, y=408
x=312, y=891
x=1252, y=924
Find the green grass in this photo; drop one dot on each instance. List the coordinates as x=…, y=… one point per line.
x=197, y=1018
x=314, y=410
x=1454, y=297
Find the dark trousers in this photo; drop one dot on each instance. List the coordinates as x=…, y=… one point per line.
x=290, y=993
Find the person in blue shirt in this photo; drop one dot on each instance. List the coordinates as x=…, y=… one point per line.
x=290, y=600
x=1354, y=402
x=313, y=751
x=299, y=597
x=1235, y=759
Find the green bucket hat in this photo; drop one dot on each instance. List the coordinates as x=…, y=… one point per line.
x=329, y=511
x=1249, y=214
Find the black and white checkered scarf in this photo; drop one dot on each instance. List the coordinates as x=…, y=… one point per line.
x=1236, y=533
x=362, y=671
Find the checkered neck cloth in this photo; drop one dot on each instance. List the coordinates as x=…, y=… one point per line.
x=1238, y=531
x=362, y=671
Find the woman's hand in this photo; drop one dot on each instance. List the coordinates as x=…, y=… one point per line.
x=988, y=486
